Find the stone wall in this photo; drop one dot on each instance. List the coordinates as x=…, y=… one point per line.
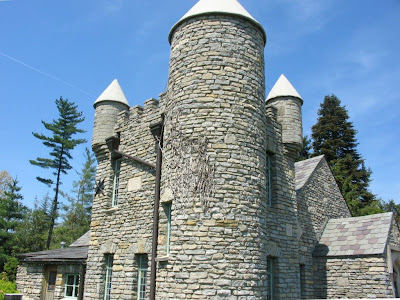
x=216, y=91
x=104, y=120
x=124, y=230
x=352, y=277
x=319, y=200
x=30, y=279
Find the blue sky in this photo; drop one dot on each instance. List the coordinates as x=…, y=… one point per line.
x=75, y=48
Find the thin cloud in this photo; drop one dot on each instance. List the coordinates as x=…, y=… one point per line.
x=43, y=73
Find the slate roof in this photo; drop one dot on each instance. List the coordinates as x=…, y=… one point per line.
x=58, y=255
x=367, y=235
x=77, y=251
x=84, y=240
x=283, y=87
x=304, y=169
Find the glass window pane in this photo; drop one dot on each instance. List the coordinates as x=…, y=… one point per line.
x=70, y=279
x=69, y=291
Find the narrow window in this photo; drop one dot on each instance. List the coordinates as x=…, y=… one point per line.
x=302, y=282
x=168, y=207
x=72, y=286
x=142, y=277
x=52, y=281
x=270, y=278
x=269, y=178
x=115, y=194
x=109, y=265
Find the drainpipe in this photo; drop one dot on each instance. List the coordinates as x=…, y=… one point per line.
x=157, y=131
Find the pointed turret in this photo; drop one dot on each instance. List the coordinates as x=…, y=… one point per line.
x=287, y=100
x=212, y=7
x=110, y=103
x=283, y=88
x=112, y=93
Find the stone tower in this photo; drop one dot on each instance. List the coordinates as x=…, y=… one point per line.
x=216, y=87
x=107, y=107
x=287, y=100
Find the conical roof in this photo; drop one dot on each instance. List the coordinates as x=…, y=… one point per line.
x=113, y=93
x=205, y=7
x=283, y=88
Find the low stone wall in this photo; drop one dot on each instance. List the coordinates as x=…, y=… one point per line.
x=29, y=280
x=352, y=277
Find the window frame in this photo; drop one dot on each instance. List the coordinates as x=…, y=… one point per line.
x=75, y=286
x=169, y=214
x=142, y=276
x=108, y=279
x=270, y=278
x=116, y=181
x=268, y=174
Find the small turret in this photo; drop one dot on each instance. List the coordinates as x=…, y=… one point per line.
x=288, y=102
x=110, y=103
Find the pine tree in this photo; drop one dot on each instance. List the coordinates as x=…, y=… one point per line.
x=76, y=220
x=305, y=152
x=61, y=143
x=11, y=214
x=334, y=136
x=31, y=234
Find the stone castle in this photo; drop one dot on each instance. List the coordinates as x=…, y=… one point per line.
x=198, y=194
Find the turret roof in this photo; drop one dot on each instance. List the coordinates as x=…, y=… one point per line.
x=283, y=88
x=204, y=7
x=112, y=93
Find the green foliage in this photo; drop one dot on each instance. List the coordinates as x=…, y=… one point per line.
x=76, y=219
x=10, y=268
x=391, y=206
x=305, y=152
x=6, y=286
x=334, y=136
x=31, y=234
x=61, y=143
x=11, y=215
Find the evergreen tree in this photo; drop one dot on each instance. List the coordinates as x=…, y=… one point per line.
x=61, y=143
x=305, y=152
x=31, y=234
x=84, y=187
x=76, y=220
x=334, y=136
x=11, y=214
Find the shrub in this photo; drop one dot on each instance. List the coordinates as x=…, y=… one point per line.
x=10, y=268
x=6, y=287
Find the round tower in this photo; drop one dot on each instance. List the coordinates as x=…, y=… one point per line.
x=288, y=102
x=107, y=107
x=216, y=93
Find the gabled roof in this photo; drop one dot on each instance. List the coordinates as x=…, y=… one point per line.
x=112, y=93
x=304, y=169
x=283, y=88
x=205, y=7
x=367, y=235
x=84, y=240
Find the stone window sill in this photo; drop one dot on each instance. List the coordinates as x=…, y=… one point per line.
x=162, y=258
x=111, y=209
